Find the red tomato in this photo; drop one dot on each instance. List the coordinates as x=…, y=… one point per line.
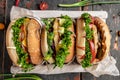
x=43, y=6
x=17, y=2
x=21, y=35
x=92, y=20
x=92, y=49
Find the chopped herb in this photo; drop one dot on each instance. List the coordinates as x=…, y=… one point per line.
x=50, y=36
x=22, y=55
x=89, y=36
x=86, y=62
x=66, y=42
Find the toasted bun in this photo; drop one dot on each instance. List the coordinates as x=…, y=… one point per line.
x=105, y=38
x=80, y=40
x=55, y=31
x=10, y=45
x=33, y=41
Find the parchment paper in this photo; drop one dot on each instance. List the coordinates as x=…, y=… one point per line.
x=106, y=66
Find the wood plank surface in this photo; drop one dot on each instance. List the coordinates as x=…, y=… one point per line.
x=34, y=5
x=113, y=22
x=2, y=12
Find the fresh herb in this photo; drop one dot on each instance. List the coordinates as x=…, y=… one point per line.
x=86, y=62
x=89, y=36
x=65, y=42
x=20, y=77
x=20, y=52
x=50, y=36
x=88, y=2
x=48, y=23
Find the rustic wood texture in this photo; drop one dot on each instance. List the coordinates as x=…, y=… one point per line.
x=2, y=12
x=34, y=5
x=113, y=22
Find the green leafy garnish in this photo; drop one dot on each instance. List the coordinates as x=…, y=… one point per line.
x=20, y=52
x=86, y=62
x=20, y=77
x=50, y=36
x=88, y=2
x=65, y=42
x=89, y=36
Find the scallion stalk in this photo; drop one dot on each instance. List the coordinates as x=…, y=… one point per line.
x=21, y=76
x=77, y=4
x=88, y=2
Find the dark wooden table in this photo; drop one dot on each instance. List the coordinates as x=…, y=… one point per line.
x=113, y=22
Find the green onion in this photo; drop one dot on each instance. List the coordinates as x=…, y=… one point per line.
x=21, y=77
x=88, y=2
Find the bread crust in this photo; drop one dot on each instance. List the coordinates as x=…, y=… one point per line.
x=103, y=29
x=55, y=31
x=33, y=42
x=10, y=45
x=80, y=40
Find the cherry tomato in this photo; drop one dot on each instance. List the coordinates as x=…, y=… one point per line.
x=2, y=26
x=92, y=49
x=17, y=2
x=43, y=5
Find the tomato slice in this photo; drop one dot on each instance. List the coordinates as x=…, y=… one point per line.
x=92, y=49
x=21, y=36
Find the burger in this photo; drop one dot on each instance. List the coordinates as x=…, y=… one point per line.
x=23, y=42
x=57, y=40
x=92, y=40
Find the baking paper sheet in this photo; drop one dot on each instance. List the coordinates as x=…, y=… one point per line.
x=106, y=66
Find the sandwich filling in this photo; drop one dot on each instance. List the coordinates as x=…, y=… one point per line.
x=50, y=38
x=89, y=45
x=65, y=40
x=58, y=48
x=19, y=40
